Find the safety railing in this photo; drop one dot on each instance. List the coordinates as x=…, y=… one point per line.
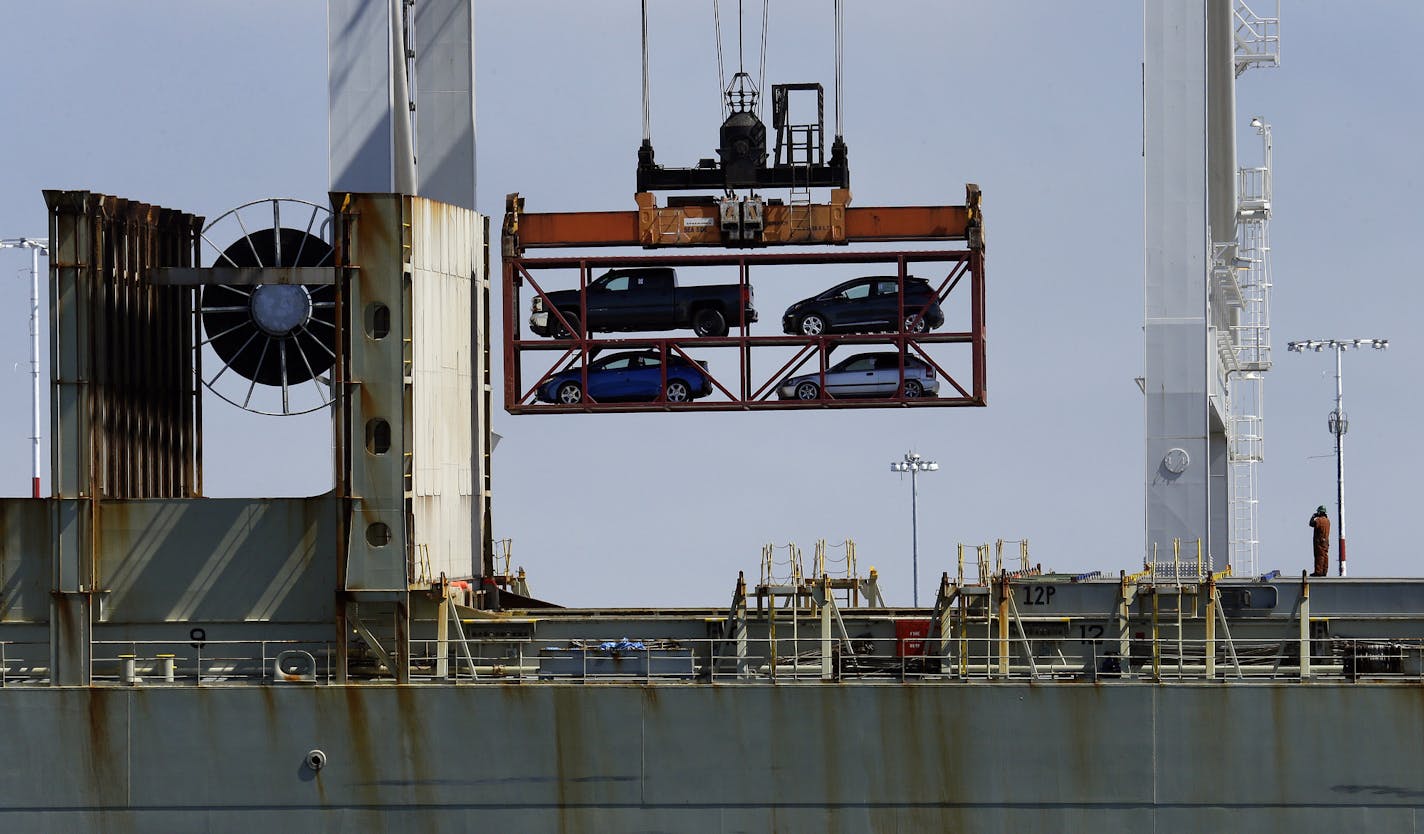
x=967, y=656
x=959, y=658
x=24, y=663
x=210, y=662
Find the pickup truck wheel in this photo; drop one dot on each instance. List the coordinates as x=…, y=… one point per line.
x=913, y=389
x=808, y=391
x=570, y=393
x=812, y=324
x=678, y=391
x=915, y=324
x=573, y=321
x=709, y=322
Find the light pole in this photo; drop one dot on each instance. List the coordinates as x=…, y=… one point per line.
x=914, y=464
x=36, y=245
x=1338, y=422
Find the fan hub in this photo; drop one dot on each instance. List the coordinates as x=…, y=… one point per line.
x=279, y=309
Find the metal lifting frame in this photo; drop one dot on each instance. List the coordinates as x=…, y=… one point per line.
x=749, y=391
x=699, y=223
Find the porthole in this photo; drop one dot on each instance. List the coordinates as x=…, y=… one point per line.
x=378, y=534
x=378, y=436
x=378, y=321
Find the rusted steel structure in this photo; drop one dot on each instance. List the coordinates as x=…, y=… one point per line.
x=959, y=281
x=127, y=529
x=125, y=413
x=125, y=368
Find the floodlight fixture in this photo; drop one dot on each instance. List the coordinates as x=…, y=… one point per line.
x=914, y=464
x=1338, y=422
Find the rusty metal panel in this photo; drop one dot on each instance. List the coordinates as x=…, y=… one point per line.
x=122, y=349
x=1293, y=742
x=374, y=440
x=125, y=414
x=218, y=560
x=966, y=757
x=446, y=274
x=412, y=443
x=24, y=560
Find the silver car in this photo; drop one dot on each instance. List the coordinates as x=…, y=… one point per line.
x=864, y=375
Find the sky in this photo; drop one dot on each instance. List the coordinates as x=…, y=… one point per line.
x=203, y=107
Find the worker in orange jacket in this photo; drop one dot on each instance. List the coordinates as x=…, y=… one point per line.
x=1321, y=522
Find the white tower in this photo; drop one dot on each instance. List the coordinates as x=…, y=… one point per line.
x=1193, y=301
x=402, y=97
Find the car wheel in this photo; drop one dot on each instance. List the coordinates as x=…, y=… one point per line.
x=570, y=393
x=678, y=391
x=913, y=389
x=709, y=322
x=916, y=324
x=812, y=324
x=574, y=328
x=808, y=391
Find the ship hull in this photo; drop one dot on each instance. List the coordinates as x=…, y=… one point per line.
x=700, y=758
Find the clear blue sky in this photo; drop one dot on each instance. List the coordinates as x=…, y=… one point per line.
x=205, y=106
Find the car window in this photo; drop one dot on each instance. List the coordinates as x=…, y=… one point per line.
x=864, y=363
x=886, y=287
x=617, y=363
x=855, y=292
x=890, y=362
x=649, y=361
x=617, y=283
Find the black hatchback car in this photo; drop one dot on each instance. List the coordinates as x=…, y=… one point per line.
x=865, y=305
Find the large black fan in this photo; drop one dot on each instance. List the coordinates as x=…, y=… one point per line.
x=278, y=335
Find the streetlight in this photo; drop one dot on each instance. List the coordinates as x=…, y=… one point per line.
x=914, y=464
x=37, y=246
x=1338, y=423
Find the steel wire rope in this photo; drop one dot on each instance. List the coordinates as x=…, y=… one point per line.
x=761, y=74
x=840, y=60
x=717, y=25
x=647, y=129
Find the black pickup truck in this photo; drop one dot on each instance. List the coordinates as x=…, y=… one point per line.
x=644, y=299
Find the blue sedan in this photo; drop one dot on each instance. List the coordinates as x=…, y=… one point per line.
x=630, y=376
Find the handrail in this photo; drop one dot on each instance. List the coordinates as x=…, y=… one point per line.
x=795, y=655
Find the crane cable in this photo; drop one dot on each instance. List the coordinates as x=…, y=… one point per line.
x=761, y=76
x=647, y=128
x=717, y=24
x=840, y=59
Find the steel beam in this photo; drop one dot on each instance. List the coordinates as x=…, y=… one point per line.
x=698, y=225
x=243, y=277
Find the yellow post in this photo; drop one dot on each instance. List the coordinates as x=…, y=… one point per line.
x=771, y=631
x=963, y=635
x=1004, y=625
x=1211, y=628
x=1156, y=647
